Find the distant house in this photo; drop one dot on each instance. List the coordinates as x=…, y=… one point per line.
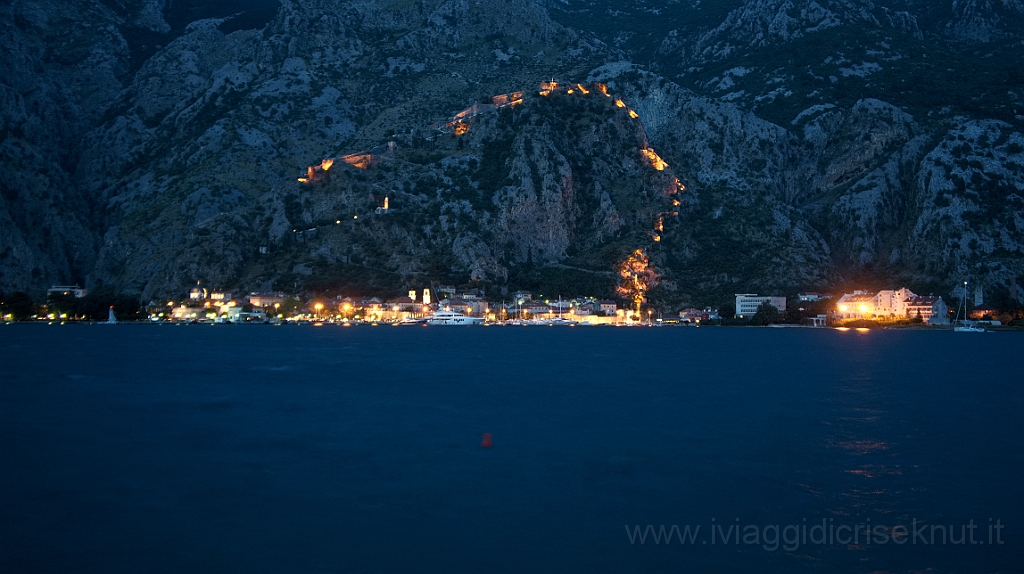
x=403, y=304
x=536, y=308
x=373, y=307
x=462, y=306
x=747, y=304
x=607, y=307
x=65, y=291
x=197, y=293
x=522, y=296
x=473, y=295
x=586, y=309
x=691, y=315
x=443, y=290
x=981, y=311
x=930, y=308
x=563, y=305
x=266, y=299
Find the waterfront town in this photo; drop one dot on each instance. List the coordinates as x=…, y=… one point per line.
x=886, y=307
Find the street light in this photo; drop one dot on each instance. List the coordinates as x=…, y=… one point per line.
x=318, y=307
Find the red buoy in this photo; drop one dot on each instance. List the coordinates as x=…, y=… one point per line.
x=486, y=443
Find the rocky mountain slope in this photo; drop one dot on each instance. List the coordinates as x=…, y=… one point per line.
x=887, y=134
x=823, y=143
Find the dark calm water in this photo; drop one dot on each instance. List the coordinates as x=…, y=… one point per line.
x=145, y=448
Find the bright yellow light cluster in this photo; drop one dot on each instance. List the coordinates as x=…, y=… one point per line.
x=656, y=161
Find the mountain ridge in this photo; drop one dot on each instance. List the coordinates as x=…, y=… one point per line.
x=811, y=169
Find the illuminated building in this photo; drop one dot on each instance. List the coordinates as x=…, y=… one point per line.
x=810, y=297
x=522, y=296
x=692, y=315
x=197, y=293
x=535, y=308
x=891, y=304
x=885, y=304
x=65, y=290
x=930, y=308
x=266, y=299
x=981, y=311
x=220, y=295
x=747, y=304
x=406, y=304
x=608, y=307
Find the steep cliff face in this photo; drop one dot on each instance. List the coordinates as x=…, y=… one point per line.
x=969, y=193
x=208, y=139
x=740, y=229
x=558, y=180
x=62, y=62
x=832, y=113
x=863, y=193
x=764, y=23
x=983, y=20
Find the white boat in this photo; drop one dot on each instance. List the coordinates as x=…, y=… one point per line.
x=555, y=322
x=965, y=327
x=452, y=318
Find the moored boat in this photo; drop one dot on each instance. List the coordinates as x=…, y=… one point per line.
x=452, y=318
x=555, y=322
x=963, y=326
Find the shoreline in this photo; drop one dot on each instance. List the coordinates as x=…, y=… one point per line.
x=861, y=328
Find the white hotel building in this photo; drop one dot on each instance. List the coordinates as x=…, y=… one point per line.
x=891, y=304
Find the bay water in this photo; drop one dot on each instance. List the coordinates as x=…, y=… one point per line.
x=234, y=448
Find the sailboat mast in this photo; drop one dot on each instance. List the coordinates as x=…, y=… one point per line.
x=965, y=303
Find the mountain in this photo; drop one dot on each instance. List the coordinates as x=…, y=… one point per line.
x=884, y=136
x=819, y=144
